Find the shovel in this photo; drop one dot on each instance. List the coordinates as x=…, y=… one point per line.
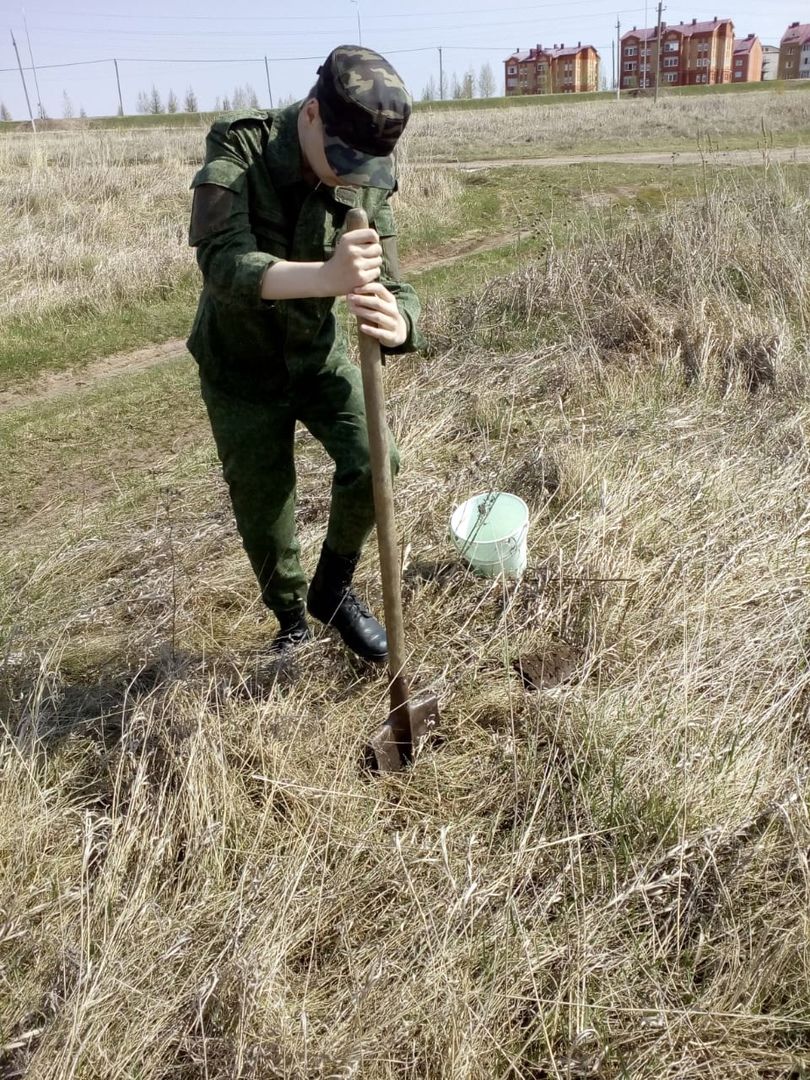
x=410, y=719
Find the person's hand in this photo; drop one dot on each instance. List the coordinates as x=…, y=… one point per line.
x=378, y=313
x=355, y=263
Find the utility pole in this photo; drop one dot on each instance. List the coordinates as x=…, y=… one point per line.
x=441, y=75
x=267, y=72
x=25, y=88
x=118, y=84
x=658, y=49
x=34, y=69
x=359, y=27
x=613, y=61
x=619, y=54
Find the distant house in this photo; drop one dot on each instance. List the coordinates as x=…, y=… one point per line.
x=770, y=63
x=558, y=70
x=794, y=52
x=747, y=59
x=690, y=54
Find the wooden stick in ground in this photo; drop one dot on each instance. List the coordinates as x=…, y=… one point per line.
x=374, y=394
x=407, y=722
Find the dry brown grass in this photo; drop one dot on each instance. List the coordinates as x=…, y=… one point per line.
x=97, y=219
x=674, y=123
x=605, y=878
x=94, y=220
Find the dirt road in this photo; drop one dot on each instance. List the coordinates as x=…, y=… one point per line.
x=734, y=158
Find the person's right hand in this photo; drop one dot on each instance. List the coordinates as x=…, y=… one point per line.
x=356, y=262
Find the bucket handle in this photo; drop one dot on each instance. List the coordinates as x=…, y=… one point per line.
x=483, y=511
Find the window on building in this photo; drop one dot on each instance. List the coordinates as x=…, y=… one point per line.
x=511, y=70
x=738, y=74
x=671, y=46
x=671, y=76
x=670, y=61
x=631, y=50
x=738, y=62
x=702, y=61
x=630, y=65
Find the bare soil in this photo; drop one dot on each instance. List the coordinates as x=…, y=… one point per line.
x=734, y=158
x=56, y=383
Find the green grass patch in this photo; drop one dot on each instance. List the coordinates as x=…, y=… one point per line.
x=88, y=446
x=63, y=340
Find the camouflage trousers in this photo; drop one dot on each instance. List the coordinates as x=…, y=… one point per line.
x=255, y=441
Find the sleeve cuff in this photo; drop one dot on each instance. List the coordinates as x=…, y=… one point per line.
x=414, y=342
x=246, y=285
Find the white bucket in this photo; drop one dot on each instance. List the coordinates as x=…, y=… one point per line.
x=490, y=531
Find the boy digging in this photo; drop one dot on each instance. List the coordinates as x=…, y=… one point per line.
x=268, y=218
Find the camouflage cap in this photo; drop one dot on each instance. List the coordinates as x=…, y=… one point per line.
x=364, y=107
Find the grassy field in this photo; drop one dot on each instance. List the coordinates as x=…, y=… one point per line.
x=175, y=120
x=603, y=875
x=97, y=259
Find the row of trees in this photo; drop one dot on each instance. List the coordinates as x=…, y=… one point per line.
x=243, y=97
x=68, y=110
x=470, y=85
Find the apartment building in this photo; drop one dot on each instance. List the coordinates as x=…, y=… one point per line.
x=794, y=52
x=558, y=70
x=747, y=59
x=770, y=63
x=690, y=54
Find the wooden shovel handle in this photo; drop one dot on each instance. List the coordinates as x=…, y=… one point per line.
x=374, y=395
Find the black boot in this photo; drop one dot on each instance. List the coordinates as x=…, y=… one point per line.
x=332, y=600
x=293, y=629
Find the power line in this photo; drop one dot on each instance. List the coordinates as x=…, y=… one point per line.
x=218, y=60
x=259, y=59
x=318, y=33
x=308, y=18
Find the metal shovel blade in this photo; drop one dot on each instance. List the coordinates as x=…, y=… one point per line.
x=411, y=721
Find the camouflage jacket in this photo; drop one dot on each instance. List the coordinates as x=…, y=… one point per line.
x=265, y=212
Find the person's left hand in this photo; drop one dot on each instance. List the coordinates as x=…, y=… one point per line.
x=378, y=313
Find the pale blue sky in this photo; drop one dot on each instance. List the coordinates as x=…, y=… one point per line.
x=193, y=36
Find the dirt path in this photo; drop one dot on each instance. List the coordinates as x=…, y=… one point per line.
x=56, y=383
x=736, y=158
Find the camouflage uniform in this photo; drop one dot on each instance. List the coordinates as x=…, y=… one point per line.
x=266, y=364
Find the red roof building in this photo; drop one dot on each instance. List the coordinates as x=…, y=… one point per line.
x=559, y=70
x=747, y=59
x=690, y=54
x=794, y=52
